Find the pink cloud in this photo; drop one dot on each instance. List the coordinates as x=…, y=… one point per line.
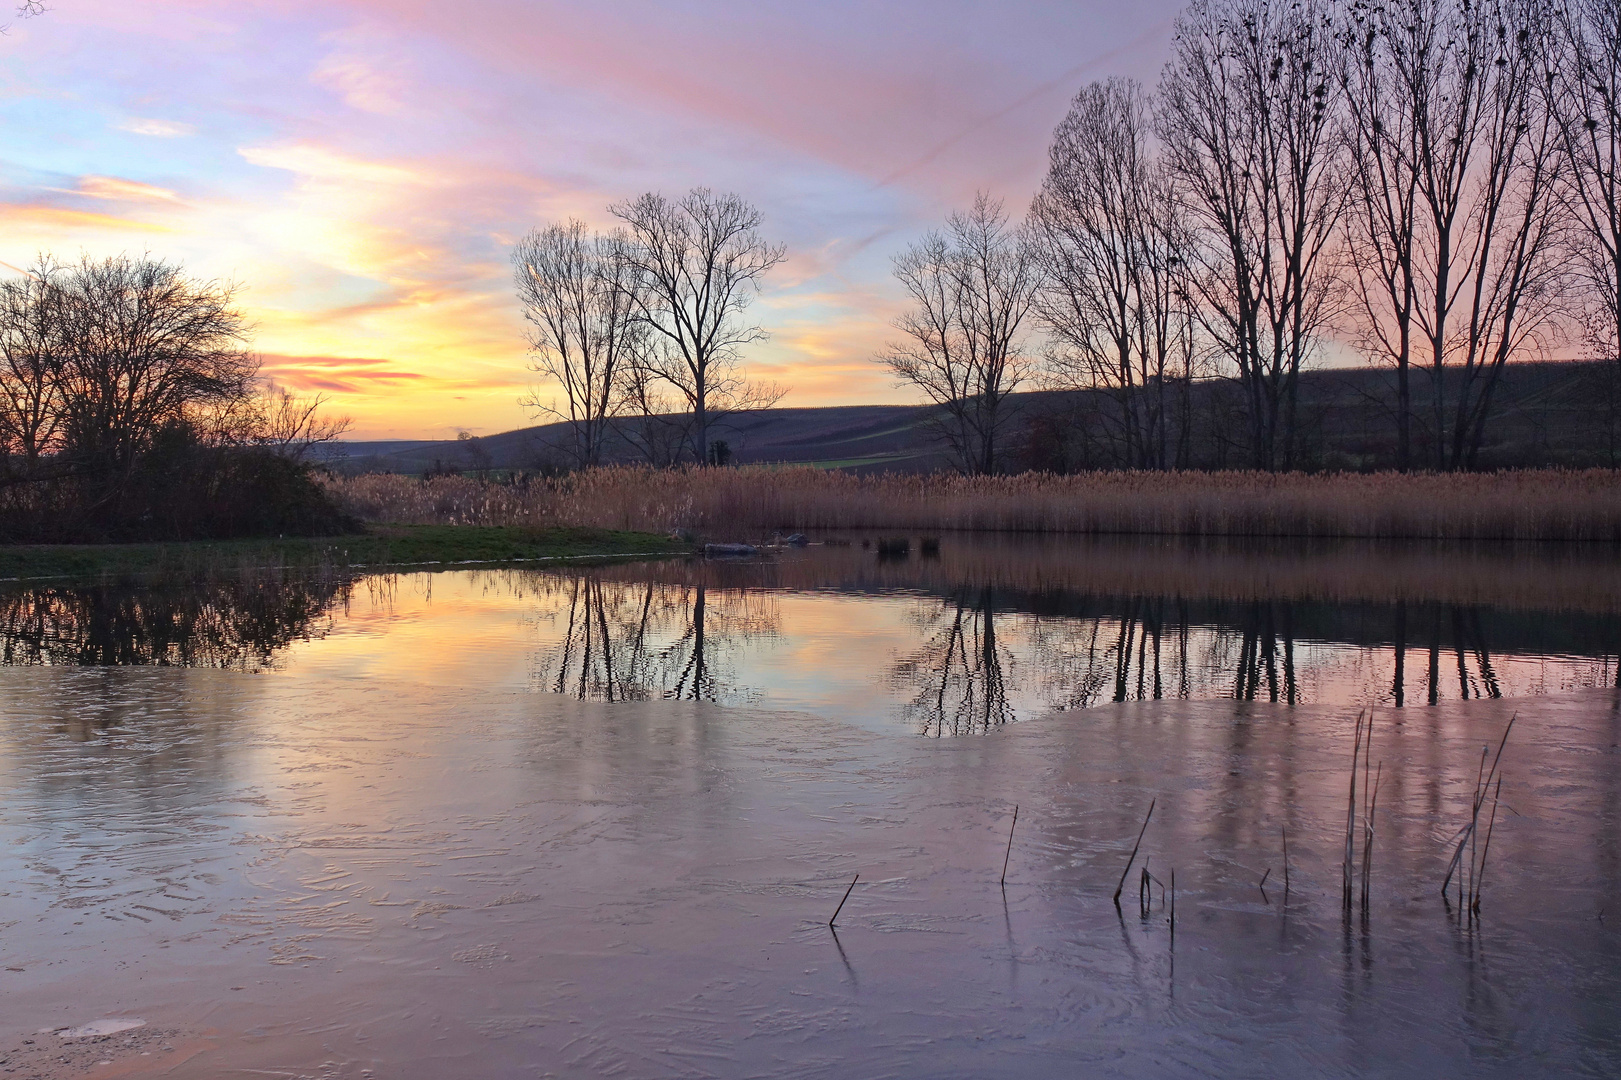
x=363, y=166
x=336, y=374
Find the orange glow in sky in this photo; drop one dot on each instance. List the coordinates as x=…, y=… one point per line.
x=362, y=167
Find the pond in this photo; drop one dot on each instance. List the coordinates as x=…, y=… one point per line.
x=584, y=822
x=936, y=639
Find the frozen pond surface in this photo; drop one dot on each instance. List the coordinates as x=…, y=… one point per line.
x=976, y=635
x=382, y=845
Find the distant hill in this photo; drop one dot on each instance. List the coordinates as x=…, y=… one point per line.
x=1545, y=414
x=847, y=436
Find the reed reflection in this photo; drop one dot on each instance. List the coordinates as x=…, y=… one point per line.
x=220, y=624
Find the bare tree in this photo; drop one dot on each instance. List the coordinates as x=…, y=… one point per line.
x=131, y=408
x=27, y=9
x=963, y=347
x=1449, y=108
x=1384, y=151
x=143, y=347
x=94, y=359
x=580, y=295
x=31, y=361
x=290, y=425
x=1247, y=110
x=699, y=261
x=475, y=453
x=1586, y=95
x=654, y=424
x=1115, y=296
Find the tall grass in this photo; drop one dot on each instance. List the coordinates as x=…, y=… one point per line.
x=727, y=504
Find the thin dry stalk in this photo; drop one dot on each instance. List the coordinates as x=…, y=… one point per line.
x=1480, y=878
x=1466, y=837
x=840, y=908
x=1367, y=833
x=1121, y=887
x=1350, y=819
x=1009, y=853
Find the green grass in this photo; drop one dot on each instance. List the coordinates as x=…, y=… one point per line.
x=895, y=459
x=379, y=546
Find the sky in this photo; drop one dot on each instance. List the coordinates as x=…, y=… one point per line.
x=361, y=168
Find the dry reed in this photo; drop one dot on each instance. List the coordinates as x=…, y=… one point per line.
x=1361, y=753
x=1480, y=879
x=1549, y=504
x=1121, y=887
x=1346, y=873
x=1284, y=829
x=1470, y=877
x=1009, y=853
x=840, y=908
x=1372, y=807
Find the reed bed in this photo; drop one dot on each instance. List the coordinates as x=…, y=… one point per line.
x=736, y=503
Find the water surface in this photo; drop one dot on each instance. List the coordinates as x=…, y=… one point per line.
x=593, y=823
x=955, y=637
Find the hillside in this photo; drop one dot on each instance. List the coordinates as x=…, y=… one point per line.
x=1546, y=414
x=848, y=436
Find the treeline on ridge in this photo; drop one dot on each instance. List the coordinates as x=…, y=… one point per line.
x=1428, y=187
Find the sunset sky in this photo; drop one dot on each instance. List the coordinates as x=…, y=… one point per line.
x=362, y=167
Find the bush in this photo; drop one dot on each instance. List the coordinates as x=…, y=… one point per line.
x=131, y=409
x=180, y=489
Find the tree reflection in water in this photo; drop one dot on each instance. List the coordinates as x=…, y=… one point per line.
x=221, y=624
x=976, y=656
x=958, y=672
x=943, y=655
x=1097, y=650
x=636, y=641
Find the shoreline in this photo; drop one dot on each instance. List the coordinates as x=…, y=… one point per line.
x=380, y=546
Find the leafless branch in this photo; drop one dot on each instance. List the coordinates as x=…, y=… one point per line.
x=699, y=262
x=962, y=341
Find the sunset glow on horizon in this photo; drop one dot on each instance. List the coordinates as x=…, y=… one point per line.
x=362, y=167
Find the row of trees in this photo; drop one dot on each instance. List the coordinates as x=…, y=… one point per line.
x=1435, y=184
x=642, y=327
x=130, y=406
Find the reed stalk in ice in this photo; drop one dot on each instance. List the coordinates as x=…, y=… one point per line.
x=1121, y=887
x=840, y=908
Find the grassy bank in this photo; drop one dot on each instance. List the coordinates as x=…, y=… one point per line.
x=380, y=545
x=747, y=503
